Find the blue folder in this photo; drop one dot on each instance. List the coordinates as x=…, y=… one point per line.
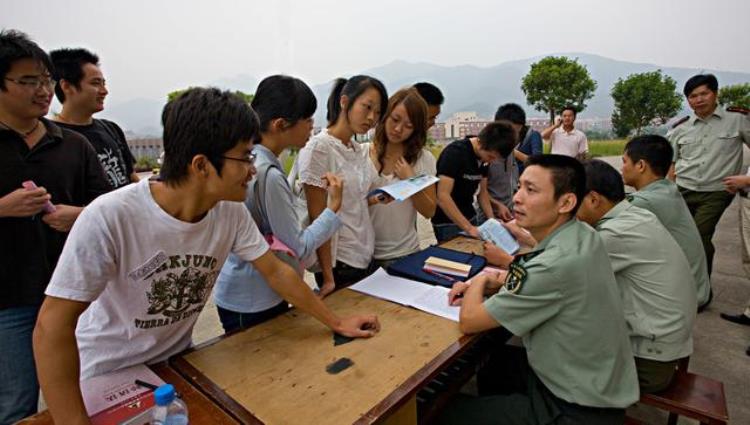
x=410, y=267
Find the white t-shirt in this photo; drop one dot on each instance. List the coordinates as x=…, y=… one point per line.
x=146, y=274
x=395, y=223
x=571, y=144
x=354, y=243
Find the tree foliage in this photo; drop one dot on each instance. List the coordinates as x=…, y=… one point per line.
x=555, y=82
x=175, y=94
x=735, y=95
x=642, y=100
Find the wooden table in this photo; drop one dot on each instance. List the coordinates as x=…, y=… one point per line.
x=275, y=373
x=200, y=408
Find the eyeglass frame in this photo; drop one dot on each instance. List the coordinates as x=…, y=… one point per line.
x=38, y=82
x=250, y=160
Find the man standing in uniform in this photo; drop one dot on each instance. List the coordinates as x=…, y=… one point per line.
x=645, y=164
x=707, y=148
x=562, y=299
x=66, y=172
x=82, y=89
x=564, y=138
x=653, y=275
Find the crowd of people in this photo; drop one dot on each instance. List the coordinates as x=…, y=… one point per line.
x=103, y=271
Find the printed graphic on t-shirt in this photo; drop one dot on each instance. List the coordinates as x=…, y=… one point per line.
x=113, y=167
x=178, y=289
x=472, y=177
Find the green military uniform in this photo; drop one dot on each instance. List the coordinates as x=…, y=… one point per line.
x=664, y=200
x=657, y=289
x=562, y=299
x=706, y=151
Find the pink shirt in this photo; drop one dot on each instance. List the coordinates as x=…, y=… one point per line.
x=568, y=143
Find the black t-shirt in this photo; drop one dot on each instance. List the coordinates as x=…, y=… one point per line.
x=65, y=164
x=459, y=162
x=111, y=148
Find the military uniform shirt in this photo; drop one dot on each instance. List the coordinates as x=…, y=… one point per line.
x=655, y=282
x=568, y=311
x=662, y=198
x=707, y=150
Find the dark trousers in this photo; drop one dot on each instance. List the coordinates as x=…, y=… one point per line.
x=654, y=376
x=233, y=320
x=522, y=399
x=706, y=209
x=345, y=275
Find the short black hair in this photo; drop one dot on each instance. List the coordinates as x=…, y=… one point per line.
x=652, y=148
x=570, y=108
x=511, y=112
x=498, y=136
x=282, y=96
x=430, y=93
x=204, y=121
x=568, y=175
x=16, y=46
x=352, y=89
x=708, y=80
x=68, y=65
x=603, y=179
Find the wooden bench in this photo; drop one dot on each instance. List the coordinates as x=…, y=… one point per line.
x=692, y=396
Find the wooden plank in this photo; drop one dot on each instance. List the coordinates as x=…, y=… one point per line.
x=277, y=370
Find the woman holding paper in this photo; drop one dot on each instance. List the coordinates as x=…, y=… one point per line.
x=397, y=153
x=284, y=106
x=354, y=107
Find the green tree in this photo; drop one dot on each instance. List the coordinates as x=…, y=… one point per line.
x=175, y=94
x=735, y=95
x=555, y=82
x=643, y=99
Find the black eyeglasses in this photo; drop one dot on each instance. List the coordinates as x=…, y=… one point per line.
x=250, y=159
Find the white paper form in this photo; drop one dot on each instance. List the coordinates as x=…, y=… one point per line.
x=428, y=298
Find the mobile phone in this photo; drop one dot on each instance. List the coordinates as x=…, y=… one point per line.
x=30, y=185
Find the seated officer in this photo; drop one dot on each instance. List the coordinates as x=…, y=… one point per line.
x=645, y=164
x=652, y=274
x=560, y=298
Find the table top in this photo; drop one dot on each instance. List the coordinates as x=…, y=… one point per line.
x=290, y=367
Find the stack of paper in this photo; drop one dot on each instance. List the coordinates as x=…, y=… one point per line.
x=115, y=398
x=422, y=296
x=441, y=265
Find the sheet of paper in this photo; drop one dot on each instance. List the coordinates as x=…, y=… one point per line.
x=435, y=301
x=404, y=189
x=105, y=391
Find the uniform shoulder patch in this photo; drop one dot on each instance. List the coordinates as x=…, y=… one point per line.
x=680, y=121
x=516, y=277
x=738, y=109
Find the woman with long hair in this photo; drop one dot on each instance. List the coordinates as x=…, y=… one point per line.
x=398, y=152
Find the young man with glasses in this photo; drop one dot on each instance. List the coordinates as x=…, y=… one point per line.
x=33, y=221
x=141, y=261
x=81, y=89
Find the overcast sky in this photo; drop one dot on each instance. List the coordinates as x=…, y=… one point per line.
x=149, y=48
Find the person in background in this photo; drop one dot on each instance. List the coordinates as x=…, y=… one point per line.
x=398, y=152
x=354, y=107
x=285, y=106
x=434, y=98
x=81, y=89
x=564, y=138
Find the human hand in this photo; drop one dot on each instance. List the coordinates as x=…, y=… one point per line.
x=456, y=294
x=326, y=288
x=402, y=169
x=380, y=198
x=360, y=326
x=558, y=121
x=501, y=211
x=335, y=190
x=23, y=202
x=496, y=255
x=473, y=231
x=63, y=217
x=522, y=236
x=734, y=183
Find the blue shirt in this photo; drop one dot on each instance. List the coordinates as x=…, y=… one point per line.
x=239, y=286
x=531, y=145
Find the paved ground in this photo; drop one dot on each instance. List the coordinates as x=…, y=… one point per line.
x=719, y=345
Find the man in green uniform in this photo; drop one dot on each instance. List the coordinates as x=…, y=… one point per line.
x=707, y=148
x=653, y=275
x=645, y=164
x=562, y=299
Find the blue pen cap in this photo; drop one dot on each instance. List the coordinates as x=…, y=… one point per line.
x=164, y=395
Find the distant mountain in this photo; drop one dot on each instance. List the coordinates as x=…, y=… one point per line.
x=466, y=87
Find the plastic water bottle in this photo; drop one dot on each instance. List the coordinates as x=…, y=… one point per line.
x=169, y=410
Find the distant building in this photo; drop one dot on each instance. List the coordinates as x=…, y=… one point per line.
x=462, y=124
x=151, y=148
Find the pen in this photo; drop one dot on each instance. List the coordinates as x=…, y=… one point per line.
x=441, y=275
x=152, y=387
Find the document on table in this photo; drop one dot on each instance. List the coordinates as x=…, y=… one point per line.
x=428, y=298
